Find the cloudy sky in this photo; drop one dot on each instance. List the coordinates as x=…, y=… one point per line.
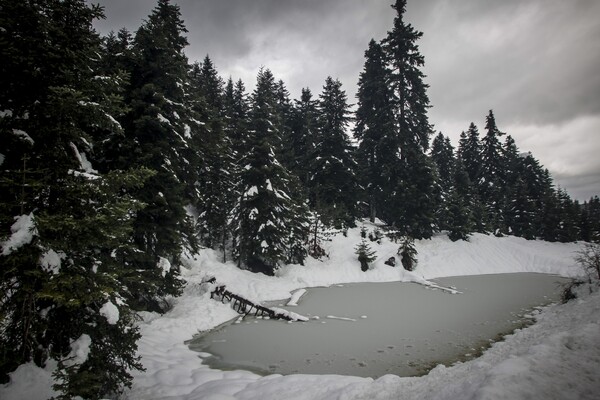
x=536, y=63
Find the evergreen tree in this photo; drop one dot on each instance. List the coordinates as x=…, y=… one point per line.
x=236, y=111
x=216, y=169
x=411, y=208
x=442, y=155
x=374, y=129
x=460, y=206
x=285, y=111
x=161, y=130
x=590, y=220
x=269, y=226
x=469, y=151
x=365, y=254
x=491, y=179
x=64, y=285
x=569, y=215
x=333, y=183
x=408, y=254
x=304, y=131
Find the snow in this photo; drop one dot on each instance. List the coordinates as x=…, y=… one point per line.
x=85, y=175
x=162, y=118
x=164, y=265
x=80, y=350
x=110, y=312
x=555, y=358
x=23, y=231
x=2, y=157
x=251, y=192
x=83, y=161
x=30, y=382
x=253, y=214
x=296, y=297
x=51, y=261
x=23, y=135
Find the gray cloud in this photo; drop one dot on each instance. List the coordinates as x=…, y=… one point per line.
x=534, y=62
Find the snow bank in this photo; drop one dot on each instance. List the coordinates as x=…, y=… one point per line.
x=30, y=382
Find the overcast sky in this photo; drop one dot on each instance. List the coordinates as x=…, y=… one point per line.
x=536, y=63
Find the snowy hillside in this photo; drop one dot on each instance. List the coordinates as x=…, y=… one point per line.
x=537, y=361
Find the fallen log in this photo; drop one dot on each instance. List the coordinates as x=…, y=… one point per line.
x=244, y=306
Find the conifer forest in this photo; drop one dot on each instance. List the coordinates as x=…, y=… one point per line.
x=119, y=154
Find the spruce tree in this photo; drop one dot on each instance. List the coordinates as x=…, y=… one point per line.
x=303, y=135
x=460, y=207
x=64, y=285
x=269, y=225
x=442, y=155
x=374, y=129
x=215, y=177
x=491, y=179
x=412, y=204
x=161, y=130
x=333, y=183
x=469, y=151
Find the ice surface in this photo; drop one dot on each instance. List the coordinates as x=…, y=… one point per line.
x=411, y=328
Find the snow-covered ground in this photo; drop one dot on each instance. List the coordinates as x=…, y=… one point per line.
x=556, y=358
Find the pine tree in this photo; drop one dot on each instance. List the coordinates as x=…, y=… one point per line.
x=374, y=129
x=333, y=183
x=269, y=226
x=412, y=204
x=460, y=217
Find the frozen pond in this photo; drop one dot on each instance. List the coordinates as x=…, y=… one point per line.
x=390, y=328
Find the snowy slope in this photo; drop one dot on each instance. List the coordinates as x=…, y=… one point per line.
x=555, y=358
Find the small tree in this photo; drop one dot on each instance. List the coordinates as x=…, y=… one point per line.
x=408, y=254
x=365, y=255
x=589, y=259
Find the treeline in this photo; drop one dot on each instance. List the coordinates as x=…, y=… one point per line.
x=119, y=155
